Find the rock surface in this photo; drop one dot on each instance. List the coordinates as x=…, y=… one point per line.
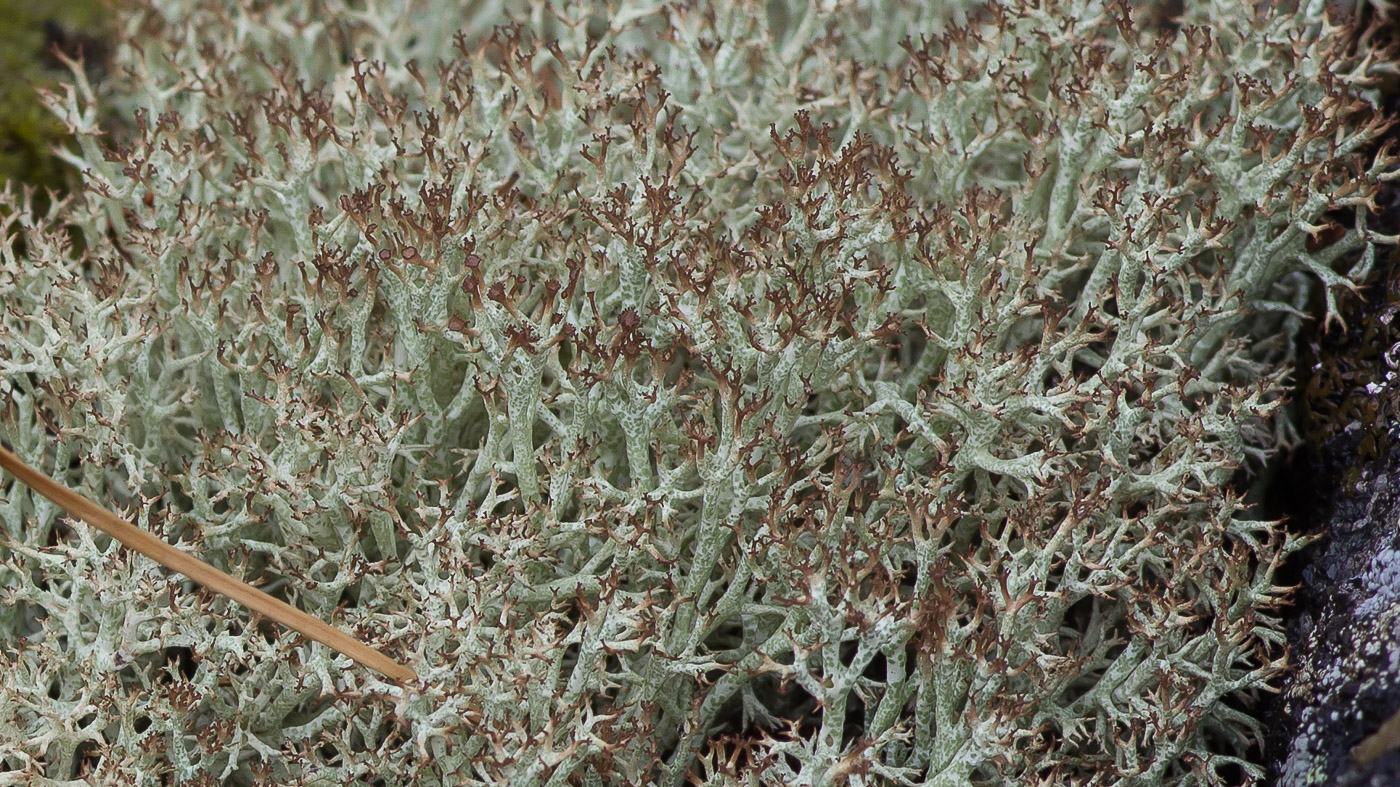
x=1346, y=643
x=1345, y=639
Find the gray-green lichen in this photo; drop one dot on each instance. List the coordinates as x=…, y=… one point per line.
x=729, y=392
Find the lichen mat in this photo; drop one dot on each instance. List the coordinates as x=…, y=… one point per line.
x=135, y=538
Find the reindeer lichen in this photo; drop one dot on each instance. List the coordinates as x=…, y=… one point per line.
x=723, y=392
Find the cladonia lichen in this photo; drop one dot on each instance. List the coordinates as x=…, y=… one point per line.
x=720, y=392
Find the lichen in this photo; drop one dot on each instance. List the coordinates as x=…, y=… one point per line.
x=724, y=392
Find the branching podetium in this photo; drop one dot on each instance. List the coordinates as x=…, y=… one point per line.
x=740, y=392
x=135, y=538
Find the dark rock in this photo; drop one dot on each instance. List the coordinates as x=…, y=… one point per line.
x=1345, y=633
x=1346, y=639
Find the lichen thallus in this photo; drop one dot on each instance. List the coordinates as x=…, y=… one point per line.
x=203, y=573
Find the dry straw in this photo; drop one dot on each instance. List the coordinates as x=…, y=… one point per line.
x=203, y=573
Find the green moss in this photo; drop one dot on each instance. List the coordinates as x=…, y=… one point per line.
x=29, y=30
